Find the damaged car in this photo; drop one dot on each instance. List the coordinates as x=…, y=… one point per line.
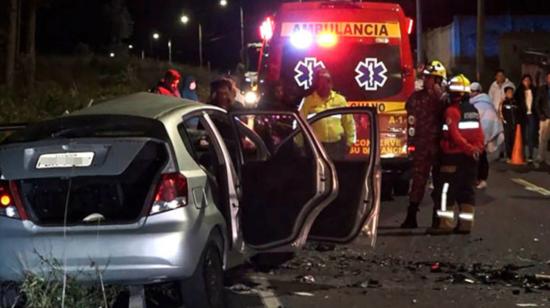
x=153, y=189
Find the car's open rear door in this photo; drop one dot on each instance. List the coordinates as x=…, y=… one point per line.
x=350, y=139
x=287, y=179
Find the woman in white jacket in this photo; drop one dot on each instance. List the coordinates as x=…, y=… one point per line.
x=492, y=131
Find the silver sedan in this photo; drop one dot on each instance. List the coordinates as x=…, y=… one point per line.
x=148, y=188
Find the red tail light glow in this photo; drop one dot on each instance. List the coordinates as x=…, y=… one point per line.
x=10, y=206
x=171, y=193
x=411, y=148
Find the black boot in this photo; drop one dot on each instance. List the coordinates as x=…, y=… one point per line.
x=410, y=220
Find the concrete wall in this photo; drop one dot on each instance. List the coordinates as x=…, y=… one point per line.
x=512, y=47
x=438, y=45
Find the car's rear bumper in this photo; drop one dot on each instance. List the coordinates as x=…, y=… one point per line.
x=163, y=247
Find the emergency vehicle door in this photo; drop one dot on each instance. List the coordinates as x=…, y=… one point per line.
x=350, y=138
x=286, y=179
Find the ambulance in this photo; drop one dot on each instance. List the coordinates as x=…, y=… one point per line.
x=365, y=46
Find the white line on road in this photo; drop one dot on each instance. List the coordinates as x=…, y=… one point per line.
x=269, y=299
x=532, y=187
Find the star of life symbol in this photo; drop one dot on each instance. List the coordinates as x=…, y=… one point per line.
x=304, y=71
x=371, y=74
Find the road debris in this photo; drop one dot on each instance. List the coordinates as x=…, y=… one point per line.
x=306, y=279
x=303, y=294
x=240, y=288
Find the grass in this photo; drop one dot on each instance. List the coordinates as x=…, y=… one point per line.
x=70, y=83
x=45, y=289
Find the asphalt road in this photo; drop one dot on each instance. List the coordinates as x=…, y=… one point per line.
x=492, y=267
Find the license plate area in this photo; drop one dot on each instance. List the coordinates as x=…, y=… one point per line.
x=65, y=160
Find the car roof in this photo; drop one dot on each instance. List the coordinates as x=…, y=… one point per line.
x=143, y=104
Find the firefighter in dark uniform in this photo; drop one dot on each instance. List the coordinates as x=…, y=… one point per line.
x=461, y=146
x=425, y=113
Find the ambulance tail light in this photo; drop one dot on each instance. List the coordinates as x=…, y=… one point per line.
x=301, y=39
x=410, y=25
x=267, y=29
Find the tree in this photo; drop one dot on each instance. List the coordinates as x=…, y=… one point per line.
x=31, y=44
x=120, y=20
x=11, y=43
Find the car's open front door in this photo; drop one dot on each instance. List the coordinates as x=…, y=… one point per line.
x=286, y=179
x=350, y=139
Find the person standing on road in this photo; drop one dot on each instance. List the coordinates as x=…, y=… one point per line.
x=510, y=115
x=169, y=85
x=525, y=96
x=543, y=108
x=492, y=130
x=496, y=92
x=336, y=133
x=425, y=108
x=189, y=89
x=461, y=147
x=222, y=94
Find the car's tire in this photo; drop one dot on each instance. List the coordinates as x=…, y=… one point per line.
x=205, y=288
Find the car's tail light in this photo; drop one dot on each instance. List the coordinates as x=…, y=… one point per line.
x=171, y=193
x=9, y=206
x=411, y=149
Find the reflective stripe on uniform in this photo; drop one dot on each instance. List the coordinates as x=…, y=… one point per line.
x=466, y=216
x=459, y=88
x=463, y=125
x=443, y=212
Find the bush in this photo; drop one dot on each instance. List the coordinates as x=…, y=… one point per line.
x=70, y=83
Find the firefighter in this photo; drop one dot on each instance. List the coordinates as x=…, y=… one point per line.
x=461, y=147
x=425, y=110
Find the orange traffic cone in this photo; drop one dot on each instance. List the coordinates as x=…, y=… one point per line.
x=517, y=152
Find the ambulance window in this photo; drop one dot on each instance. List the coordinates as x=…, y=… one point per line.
x=360, y=71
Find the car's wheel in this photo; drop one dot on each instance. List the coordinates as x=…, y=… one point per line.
x=205, y=287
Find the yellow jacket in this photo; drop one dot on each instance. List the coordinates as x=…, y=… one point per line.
x=330, y=129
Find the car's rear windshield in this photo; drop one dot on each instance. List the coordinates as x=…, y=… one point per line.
x=360, y=71
x=90, y=126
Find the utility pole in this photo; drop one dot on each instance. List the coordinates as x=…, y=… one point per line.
x=480, y=63
x=200, y=45
x=242, y=34
x=419, y=47
x=170, y=51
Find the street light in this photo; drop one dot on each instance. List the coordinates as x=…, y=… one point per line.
x=111, y=55
x=156, y=36
x=184, y=19
x=223, y=3
x=130, y=46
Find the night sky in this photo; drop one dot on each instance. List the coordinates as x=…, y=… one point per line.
x=63, y=24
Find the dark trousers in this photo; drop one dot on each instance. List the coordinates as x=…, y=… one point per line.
x=422, y=162
x=483, y=167
x=336, y=150
x=530, y=134
x=509, y=134
x=459, y=172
